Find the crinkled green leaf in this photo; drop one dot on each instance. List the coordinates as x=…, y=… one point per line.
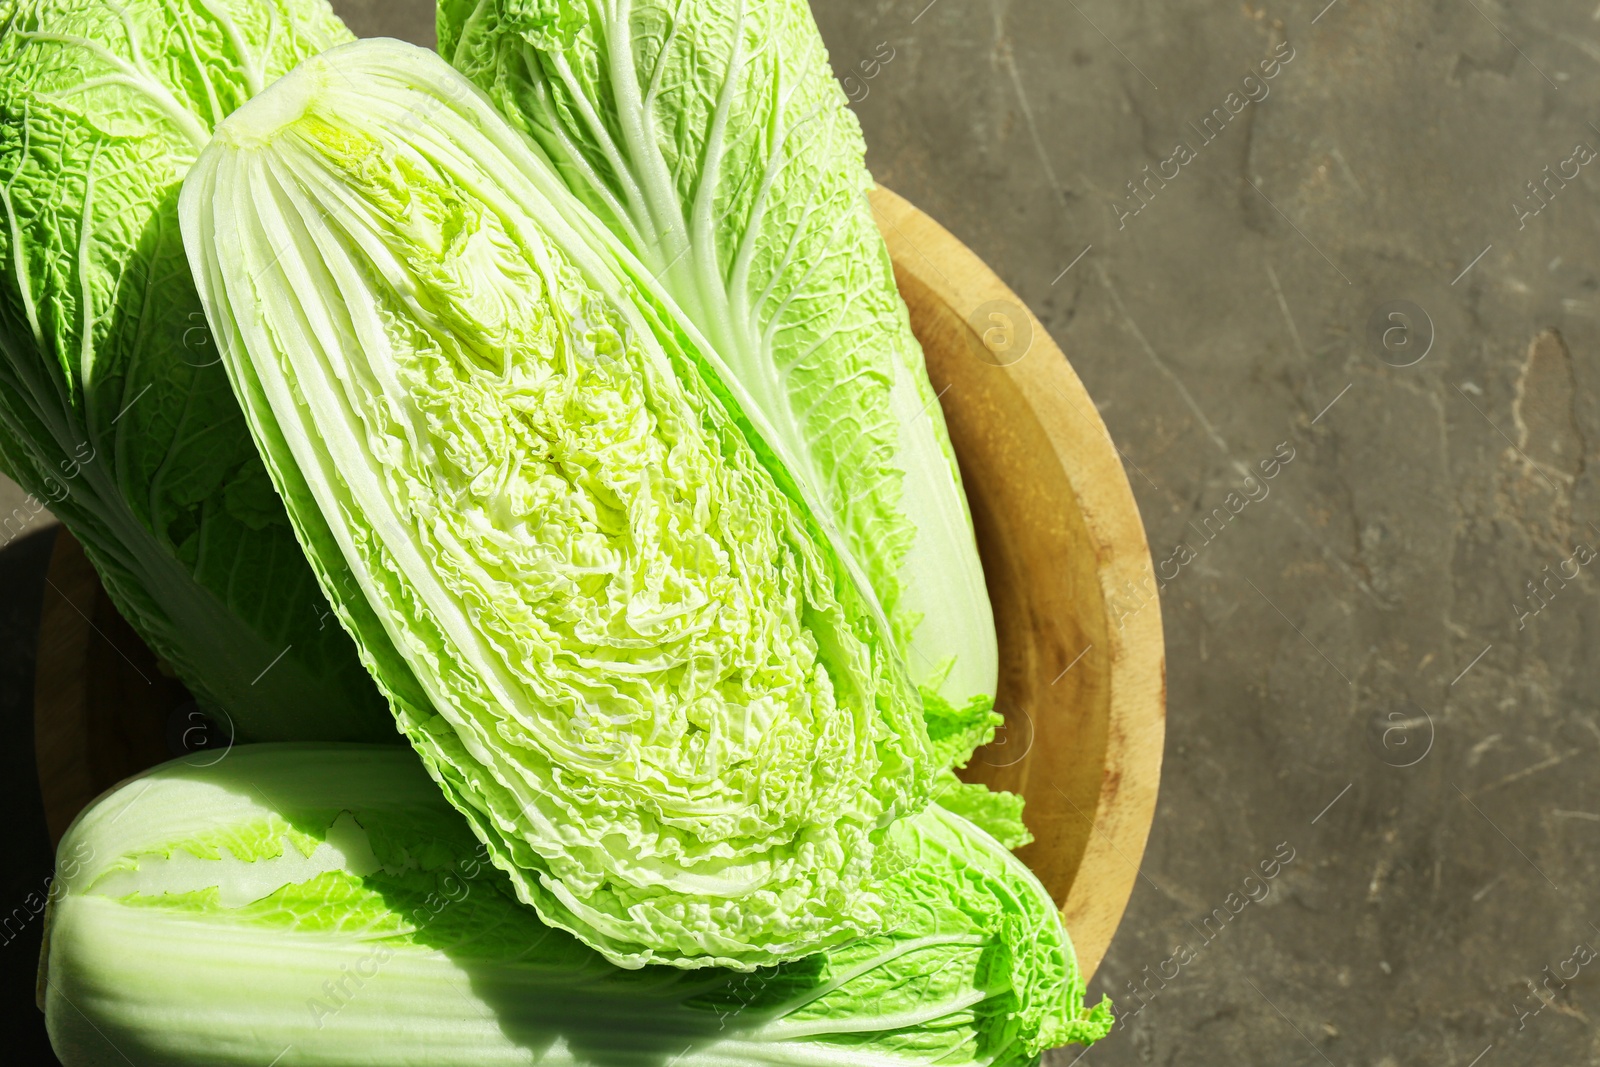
x=114, y=409
x=954, y=734
x=712, y=138
x=416, y=951
x=605, y=611
x=265, y=839
x=996, y=811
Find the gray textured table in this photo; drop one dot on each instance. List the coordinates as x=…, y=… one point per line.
x=1357, y=668
x=1376, y=657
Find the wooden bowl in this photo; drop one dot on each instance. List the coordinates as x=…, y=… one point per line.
x=1082, y=676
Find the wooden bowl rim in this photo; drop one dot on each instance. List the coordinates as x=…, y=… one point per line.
x=1135, y=662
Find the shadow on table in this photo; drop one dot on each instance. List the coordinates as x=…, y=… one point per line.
x=24, y=842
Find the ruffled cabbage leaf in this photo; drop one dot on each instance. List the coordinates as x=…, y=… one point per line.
x=713, y=139
x=954, y=735
x=321, y=904
x=114, y=410
x=572, y=554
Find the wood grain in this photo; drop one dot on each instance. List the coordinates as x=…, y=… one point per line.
x=1082, y=681
x=102, y=706
x=1082, y=668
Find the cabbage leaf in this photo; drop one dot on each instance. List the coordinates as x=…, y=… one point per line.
x=714, y=140
x=955, y=734
x=321, y=904
x=604, y=610
x=114, y=410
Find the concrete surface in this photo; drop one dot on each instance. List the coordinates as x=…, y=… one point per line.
x=1367, y=608
x=1376, y=841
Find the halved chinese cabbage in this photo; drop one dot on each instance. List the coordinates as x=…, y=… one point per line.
x=604, y=611
x=321, y=905
x=713, y=138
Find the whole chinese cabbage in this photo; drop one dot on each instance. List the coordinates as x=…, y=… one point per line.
x=574, y=557
x=713, y=139
x=114, y=409
x=322, y=905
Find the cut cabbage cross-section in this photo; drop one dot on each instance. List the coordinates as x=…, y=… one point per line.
x=604, y=611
